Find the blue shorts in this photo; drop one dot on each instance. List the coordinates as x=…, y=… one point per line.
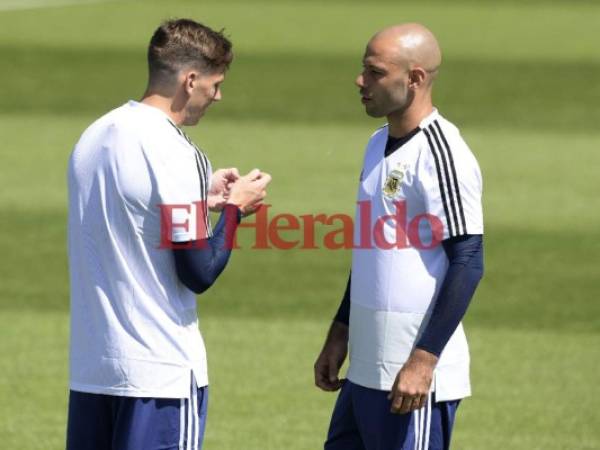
x=107, y=422
x=362, y=420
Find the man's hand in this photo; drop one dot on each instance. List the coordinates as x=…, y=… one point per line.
x=220, y=187
x=249, y=191
x=329, y=362
x=412, y=383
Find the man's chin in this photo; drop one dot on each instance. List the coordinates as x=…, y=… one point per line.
x=373, y=113
x=192, y=121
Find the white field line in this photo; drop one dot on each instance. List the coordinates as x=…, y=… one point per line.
x=13, y=5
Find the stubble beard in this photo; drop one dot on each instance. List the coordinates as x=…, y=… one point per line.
x=194, y=115
x=397, y=108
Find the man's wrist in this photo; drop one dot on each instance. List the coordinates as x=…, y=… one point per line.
x=232, y=214
x=424, y=357
x=230, y=207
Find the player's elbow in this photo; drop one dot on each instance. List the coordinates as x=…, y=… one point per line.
x=197, y=288
x=195, y=270
x=195, y=282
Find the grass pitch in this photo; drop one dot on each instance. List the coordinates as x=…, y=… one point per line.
x=519, y=78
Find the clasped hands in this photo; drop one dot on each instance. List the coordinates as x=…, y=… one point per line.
x=247, y=192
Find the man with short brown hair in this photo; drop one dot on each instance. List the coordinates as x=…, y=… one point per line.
x=141, y=246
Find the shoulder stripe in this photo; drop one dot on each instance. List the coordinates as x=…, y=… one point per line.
x=202, y=172
x=453, y=169
x=440, y=182
x=179, y=132
x=451, y=191
x=202, y=167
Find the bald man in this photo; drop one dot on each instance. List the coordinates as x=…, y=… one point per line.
x=417, y=260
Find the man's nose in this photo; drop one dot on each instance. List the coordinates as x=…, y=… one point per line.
x=360, y=81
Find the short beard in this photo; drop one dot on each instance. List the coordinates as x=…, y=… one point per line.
x=398, y=110
x=193, y=115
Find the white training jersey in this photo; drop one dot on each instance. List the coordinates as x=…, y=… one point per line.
x=432, y=187
x=134, y=325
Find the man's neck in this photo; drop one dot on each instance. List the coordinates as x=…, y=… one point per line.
x=402, y=123
x=165, y=104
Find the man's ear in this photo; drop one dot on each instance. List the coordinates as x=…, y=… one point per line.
x=189, y=81
x=416, y=77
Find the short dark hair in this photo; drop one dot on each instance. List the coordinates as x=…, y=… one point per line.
x=181, y=43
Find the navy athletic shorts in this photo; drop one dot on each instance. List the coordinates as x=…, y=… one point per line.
x=362, y=420
x=107, y=422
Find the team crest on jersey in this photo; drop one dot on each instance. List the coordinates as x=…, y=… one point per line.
x=393, y=182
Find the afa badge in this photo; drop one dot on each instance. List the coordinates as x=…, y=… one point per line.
x=393, y=182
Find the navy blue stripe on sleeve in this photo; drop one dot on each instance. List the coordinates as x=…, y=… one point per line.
x=199, y=263
x=465, y=269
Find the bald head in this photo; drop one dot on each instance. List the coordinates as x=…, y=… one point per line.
x=399, y=66
x=410, y=44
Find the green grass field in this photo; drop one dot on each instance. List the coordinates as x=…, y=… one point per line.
x=519, y=78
